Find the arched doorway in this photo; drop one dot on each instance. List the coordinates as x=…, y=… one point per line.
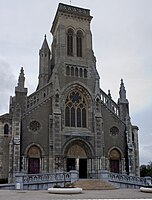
x=34, y=155
x=77, y=159
x=77, y=153
x=114, y=160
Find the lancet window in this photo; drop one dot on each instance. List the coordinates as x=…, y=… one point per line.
x=79, y=43
x=6, y=129
x=70, y=42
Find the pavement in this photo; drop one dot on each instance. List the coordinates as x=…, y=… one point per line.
x=86, y=194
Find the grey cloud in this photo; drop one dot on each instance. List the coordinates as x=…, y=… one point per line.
x=7, y=83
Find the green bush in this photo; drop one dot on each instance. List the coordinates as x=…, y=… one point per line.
x=69, y=185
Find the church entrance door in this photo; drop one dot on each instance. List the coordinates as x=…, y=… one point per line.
x=70, y=164
x=115, y=159
x=33, y=166
x=34, y=156
x=82, y=168
x=114, y=166
x=77, y=157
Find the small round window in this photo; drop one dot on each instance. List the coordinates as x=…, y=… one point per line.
x=34, y=126
x=114, y=131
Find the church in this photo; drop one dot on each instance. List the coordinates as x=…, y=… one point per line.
x=69, y=122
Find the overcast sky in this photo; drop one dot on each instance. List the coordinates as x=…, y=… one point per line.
x=122, y=43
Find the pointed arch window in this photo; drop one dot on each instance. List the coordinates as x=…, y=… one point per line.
x=76, y=71
x=67, y=114
x=70, y=34
x=85, y=73
x=79, y=43
x=6, y=129
x=81, y=72
x=83, y=117
x=72, y=71
x=68, y=70
x=76, y=110
x=78, y=117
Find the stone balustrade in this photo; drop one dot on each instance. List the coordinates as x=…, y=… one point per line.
x=126, y=179
x=32, y=178
x=38, y=97
x=109, y=103
x=44, y=181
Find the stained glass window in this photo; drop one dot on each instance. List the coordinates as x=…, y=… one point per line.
x=76, y=110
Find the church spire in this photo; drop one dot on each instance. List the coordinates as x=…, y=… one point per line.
x=45, y=46
x=44, y=64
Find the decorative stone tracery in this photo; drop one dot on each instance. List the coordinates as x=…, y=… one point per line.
x=75, y=110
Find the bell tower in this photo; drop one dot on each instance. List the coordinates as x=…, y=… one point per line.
x=72, y=55
x=71, y=33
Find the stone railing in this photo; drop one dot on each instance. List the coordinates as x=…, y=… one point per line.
x=44, y=181
x=126, y=179
x=33, y=178
x=109, y=103
x=38, y=97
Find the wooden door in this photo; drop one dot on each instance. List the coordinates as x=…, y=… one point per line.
x=33, y=165
x=114, y=166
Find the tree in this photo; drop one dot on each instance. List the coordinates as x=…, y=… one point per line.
x=146, y=170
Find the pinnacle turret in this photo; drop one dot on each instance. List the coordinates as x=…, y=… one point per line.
x=122, y=91
x=109, y=94
x=44, y=64
x=123, y=102
x=21, y=79
x=45, y=46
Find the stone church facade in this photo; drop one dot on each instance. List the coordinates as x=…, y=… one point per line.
x=69, y=122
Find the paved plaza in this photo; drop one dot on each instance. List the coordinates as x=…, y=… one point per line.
x=87, y=194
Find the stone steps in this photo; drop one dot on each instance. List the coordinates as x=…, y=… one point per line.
x=93, y=184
